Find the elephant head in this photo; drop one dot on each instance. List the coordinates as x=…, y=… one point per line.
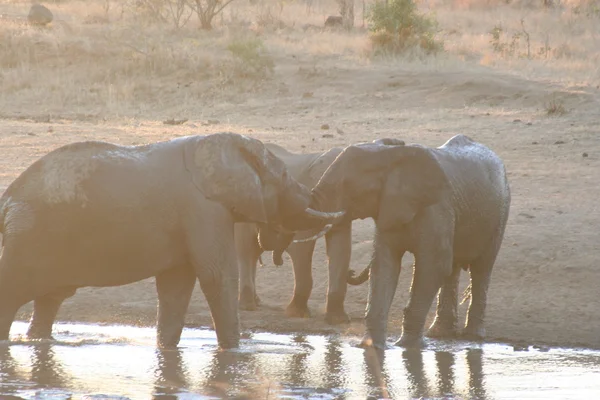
x=270, y=239
x=244, y=176
x=385, y=180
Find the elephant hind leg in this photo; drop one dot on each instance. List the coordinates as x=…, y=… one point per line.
x=174, y=288
x=446, y=318
x=481, y=271
x=45, y=309
x=15, y=291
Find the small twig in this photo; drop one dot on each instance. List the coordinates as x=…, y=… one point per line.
x=174, y=121
x=526, y=37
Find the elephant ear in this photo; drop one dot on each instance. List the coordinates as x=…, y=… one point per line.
x=415, y=181
x=227, y=168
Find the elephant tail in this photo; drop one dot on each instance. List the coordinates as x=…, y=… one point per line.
x=361, y=278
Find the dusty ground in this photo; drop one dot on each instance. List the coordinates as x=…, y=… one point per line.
x=66, y=83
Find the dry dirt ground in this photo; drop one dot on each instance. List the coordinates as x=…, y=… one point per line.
x=60, y=85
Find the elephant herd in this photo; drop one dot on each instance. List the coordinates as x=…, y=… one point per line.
x=206, y=207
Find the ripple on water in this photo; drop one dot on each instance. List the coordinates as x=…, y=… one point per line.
x=121, y=362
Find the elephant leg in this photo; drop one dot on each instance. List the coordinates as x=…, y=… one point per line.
x=339, y=249
x=446, y=318
x=15, y=291
x=174, y=288
x=480, y=271
x=382, y=287
x=45, y=309
x=212, y=253
x=8, y=311
x=433, y=264
x=248, y=252
x=301, y=255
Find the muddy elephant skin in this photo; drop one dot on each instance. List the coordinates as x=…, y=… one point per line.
x=447, y=205
x=99, y=214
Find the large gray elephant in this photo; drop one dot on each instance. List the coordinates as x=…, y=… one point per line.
x=307, y=169
x=99, y=214
x=447, y=205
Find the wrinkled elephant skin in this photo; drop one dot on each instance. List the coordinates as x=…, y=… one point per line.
x=99, y=214
x=447, y=205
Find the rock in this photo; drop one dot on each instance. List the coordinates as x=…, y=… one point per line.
x=327, y=136
x=334, y=21
x=559, y=142
x=584, y=155
x=39, y=15
x=325, y=127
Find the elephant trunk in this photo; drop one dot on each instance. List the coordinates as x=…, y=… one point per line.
x=361, y=278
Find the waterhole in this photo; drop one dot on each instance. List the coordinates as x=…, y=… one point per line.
x=121, y=362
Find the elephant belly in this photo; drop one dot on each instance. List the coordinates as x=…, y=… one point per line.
x=98, y=253
x=472, y=237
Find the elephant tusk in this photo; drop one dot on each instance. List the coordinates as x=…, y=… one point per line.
x=315, y=237
x=324, y=215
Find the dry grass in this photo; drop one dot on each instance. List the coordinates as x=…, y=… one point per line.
x=100, y=59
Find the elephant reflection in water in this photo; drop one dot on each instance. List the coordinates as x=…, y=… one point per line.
x=45, y=370
x=418, y=382
x=171, y=374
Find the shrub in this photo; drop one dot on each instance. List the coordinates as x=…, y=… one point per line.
x=251, y=58
x=397, y=25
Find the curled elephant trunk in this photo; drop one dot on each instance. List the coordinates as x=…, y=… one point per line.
x=361, y=278
x=271, y=240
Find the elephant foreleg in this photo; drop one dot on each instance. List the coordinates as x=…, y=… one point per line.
x=433, y=264
x=446, y=318
x=301, y=255
x=45, y=309
x=212, y=254
x=382, y=287
x=339, y=249
x=174, y=288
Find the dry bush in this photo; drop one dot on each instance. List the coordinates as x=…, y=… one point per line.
x=397, y=25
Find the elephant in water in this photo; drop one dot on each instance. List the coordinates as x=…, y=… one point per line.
x=307, y=169
x=447, y=205
x=99, y=214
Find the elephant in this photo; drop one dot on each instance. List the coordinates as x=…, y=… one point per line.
x=307, y=169
x=99, y=214
x=447, y=205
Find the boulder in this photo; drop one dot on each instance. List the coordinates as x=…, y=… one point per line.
x=39, y=15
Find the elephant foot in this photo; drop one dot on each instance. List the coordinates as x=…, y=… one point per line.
x=36, y=332
x=367, y=342
x=166, y=345
x=442, y=331
x=295, y=311
x=410, y=341
x=474, y=334
x=249, y=300
x=336, y=318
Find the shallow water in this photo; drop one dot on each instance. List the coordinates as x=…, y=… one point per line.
x=118, y=362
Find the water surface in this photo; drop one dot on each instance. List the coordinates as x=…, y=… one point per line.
x=120, y=362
